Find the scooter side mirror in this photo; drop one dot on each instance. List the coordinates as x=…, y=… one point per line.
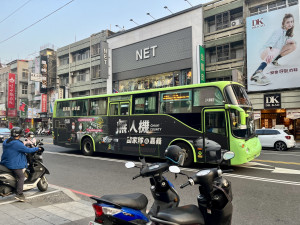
x=228, y=155
x=129, y=165
x=174, y=169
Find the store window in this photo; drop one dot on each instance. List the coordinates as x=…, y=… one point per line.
x=169, y=79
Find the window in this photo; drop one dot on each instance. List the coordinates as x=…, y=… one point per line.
x=79, y=107
x=124, y=106
x=63, y=109
x=259, y=132
x=24, y=89
x=64, y=60
x=99, y=91
x=96, y=71
x=25, y=73
x=96, y=49
x=114, y=109
x=81, y=55
x=222, y=20
x=237, y=95
x=206, y=96
x=145, y=104
x=176, y=102
x=215, y=122
x=98, y=106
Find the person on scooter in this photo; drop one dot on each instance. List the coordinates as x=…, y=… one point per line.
x=30, y=140
x=14, y=158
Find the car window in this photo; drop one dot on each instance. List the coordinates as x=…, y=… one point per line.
x=287, y=132
x=271, y=132
x=4, y=130
x=259, y=132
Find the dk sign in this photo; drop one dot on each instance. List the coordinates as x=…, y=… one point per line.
x=272, y=101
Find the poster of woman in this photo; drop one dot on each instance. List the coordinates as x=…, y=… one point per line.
x=273, y=50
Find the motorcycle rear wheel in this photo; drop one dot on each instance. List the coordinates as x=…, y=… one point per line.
x=43, y=184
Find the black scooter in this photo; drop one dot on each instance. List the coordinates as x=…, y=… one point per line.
x=35, y=174
x=214, y=202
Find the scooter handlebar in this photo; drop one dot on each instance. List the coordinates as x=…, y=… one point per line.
x=189, y=182
x=136, y=176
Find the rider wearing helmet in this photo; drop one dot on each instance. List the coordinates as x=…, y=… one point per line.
x=174, y=154
x=30, y=141
x=14, y=158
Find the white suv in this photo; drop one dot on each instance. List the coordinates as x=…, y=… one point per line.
x=279, y=139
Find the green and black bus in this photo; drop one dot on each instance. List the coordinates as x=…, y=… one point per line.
x=199, y=118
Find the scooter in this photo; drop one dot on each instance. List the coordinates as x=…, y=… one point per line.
x=35, y=174
x=214, y=202
x=131, y=208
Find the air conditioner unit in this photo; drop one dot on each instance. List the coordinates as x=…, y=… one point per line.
x=235, y=22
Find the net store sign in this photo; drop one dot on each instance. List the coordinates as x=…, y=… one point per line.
x=145, y=53
x=272, y=101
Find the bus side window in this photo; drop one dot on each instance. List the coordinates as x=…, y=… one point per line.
x=124, y=109
x=63, y=109
x=146, y=104
x=114, y=109
x=98, y=106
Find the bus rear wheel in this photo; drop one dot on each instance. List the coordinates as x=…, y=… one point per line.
x=190, y=156
x=87, y=147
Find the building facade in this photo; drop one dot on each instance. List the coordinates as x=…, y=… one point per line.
x=158, y=54
x=82, y=67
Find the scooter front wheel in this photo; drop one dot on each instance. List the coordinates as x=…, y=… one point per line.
x=43, y=184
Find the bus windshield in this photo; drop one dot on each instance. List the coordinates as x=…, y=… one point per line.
x=237, y=95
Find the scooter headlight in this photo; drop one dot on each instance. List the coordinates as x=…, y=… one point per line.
x=110, y=211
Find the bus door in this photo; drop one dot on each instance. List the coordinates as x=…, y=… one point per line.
x=118, y=122
x=215, y=134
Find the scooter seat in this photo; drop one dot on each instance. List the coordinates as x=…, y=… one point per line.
x=188, y=214
x=135, y=200
x=5, y=169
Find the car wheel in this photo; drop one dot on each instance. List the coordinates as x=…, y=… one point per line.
x=190, y=156
x=87, y=147
x=280, y=146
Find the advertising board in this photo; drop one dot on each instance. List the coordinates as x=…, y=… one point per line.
x=273, y=50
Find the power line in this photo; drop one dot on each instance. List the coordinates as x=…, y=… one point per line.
x=36, y=22
x=14, y=11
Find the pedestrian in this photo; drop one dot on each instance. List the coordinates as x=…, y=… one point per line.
x=279, y=45
x=14, y=158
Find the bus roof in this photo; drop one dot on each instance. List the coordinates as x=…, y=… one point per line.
x=220, y=84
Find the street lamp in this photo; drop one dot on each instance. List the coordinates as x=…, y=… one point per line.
x=188, y=2
x=134, y=21
x=120, y=27
x=166, y=7
x=150, y=15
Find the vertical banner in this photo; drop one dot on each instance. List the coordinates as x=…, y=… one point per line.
x=44, y=72
x=202, y=64
x=273, y=50
x=44, y=103
x=104, y=60
x=11, y=91
x=23, y=107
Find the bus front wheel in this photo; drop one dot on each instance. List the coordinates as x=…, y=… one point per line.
x=87, y=147
x=189, y=154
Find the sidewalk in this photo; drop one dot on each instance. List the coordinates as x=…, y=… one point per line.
x=55, y=206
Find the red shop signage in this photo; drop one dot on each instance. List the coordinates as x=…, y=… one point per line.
x=11, y=91
x=12, y=113
x=44, y=103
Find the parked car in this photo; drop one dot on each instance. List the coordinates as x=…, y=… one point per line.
x=279, y=139
x=4, y=134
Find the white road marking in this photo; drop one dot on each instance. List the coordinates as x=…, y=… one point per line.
x=195, y=170
x=271, y=153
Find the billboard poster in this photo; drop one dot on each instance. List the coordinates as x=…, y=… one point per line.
x=44, y=72
x=23, y=107
x=273, y=50
x=44, y=103
x=11, y=91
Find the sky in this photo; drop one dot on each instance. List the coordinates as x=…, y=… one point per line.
x=22, y=36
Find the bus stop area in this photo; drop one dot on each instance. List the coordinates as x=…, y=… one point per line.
x=55, y=206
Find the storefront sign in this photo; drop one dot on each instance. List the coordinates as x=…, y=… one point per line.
x=104, y=60
x=12, y=113
x=11, y=91
x=264, y=32
x=44, y=72
x=202, y=63
x=36, y=77
x=256, y=115
x=44, y=103
x=272, y=101
x=145, y=53
x=293, y=113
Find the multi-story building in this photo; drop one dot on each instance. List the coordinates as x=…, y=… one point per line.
x=4, y=71
x=42, y=89
x=82, y=66
x=275, y=95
